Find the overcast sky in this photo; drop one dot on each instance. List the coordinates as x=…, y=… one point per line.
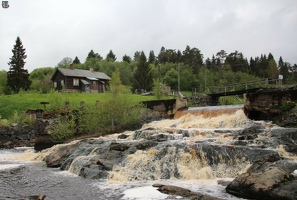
x=54, y=29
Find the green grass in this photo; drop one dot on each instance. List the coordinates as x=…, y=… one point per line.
x=25, y=101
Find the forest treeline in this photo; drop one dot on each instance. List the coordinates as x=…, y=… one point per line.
x=140, y=71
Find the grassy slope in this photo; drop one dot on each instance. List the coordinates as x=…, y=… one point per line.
x=23, y=102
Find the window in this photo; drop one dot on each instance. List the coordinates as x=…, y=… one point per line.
x=75, y=82
x=55, y=84
x=62, y=82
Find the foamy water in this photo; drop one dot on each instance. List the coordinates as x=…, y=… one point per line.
x=133, y=178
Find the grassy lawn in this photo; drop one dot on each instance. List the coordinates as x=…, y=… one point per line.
x=23, y=102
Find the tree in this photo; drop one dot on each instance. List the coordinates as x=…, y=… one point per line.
x=152, y=57
x=76, y=60
x=111, y=56
x=41, y=79
x=65, y=62
x=237, y=62
x=142, y=77
x=222, y=56
x=272, y=69
x=116, y=86
x=136, y=56
x=4, y=89
x=162, y=58
x=126, y=58
x=193, y=58
x=171, y=78
x=92, y=54
x=17, y=76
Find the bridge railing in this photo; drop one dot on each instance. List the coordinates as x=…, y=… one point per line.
x=242, y=86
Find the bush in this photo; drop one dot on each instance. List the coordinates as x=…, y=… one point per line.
x=57, y=100
x=63, y=128
x=109, y=116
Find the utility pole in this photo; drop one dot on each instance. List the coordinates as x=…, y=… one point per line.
x=178, y=79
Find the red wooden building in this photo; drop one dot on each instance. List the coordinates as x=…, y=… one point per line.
x=78, y=80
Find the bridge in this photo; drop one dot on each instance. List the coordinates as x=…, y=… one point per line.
x=215, y=92
x=241, y=88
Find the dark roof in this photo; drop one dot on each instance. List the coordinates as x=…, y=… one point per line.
x=83, y=73
x=85, y=82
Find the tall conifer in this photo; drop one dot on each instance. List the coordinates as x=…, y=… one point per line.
x=17, y=76
x=142, y=77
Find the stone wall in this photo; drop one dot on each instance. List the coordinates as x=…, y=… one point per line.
x=28, y=135
x=17, y=135
x=270, y=104
x=168, y=107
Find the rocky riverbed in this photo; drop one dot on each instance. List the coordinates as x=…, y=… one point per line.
x=260, y=156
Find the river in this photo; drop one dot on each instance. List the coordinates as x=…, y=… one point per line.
x=23, y=174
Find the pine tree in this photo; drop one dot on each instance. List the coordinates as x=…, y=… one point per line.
x=111, y=56
x=17, y=76
x=152, y=57
x=76, y=60
x=126, y=58
x=142, y=77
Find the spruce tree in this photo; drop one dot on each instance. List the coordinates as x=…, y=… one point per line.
x=152, y=57
x=76, y=60
x=111, y=56
x=142, y=77
x=17, y=76
x=126, y=58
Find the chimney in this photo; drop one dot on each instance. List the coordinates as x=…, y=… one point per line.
x=71, y=66
x=91, y=69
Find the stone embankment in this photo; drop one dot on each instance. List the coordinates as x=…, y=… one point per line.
x=35, y=134
x=17, y=135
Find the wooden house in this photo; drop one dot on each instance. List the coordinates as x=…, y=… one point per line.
x=78, y=80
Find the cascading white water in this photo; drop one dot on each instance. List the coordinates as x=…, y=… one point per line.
x=177, y=160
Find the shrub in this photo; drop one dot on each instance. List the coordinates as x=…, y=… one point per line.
x=109, y=116
x=57, y=100
x=63, y=128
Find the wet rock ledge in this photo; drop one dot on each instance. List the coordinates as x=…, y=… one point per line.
x=268, y=178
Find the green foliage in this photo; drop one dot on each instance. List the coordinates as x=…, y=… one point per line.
x=16, y=117
x=3, y=122
x=17, y=76
x=171, y=78
x=63, y=128
x=109, y=116
x=76, y=61
x=4, y=89
x=111, y=56
x=41, y=79
x=115, y=84
x=230, y=100
x=158, y=88
x=287, y=106
x=142, y=78
x=272, y=69
x=57, y=100
x=65, y=63
x=126, y=58
x=21, y=103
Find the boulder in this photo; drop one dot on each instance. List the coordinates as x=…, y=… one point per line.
x=179, y=191
x=267, y=179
